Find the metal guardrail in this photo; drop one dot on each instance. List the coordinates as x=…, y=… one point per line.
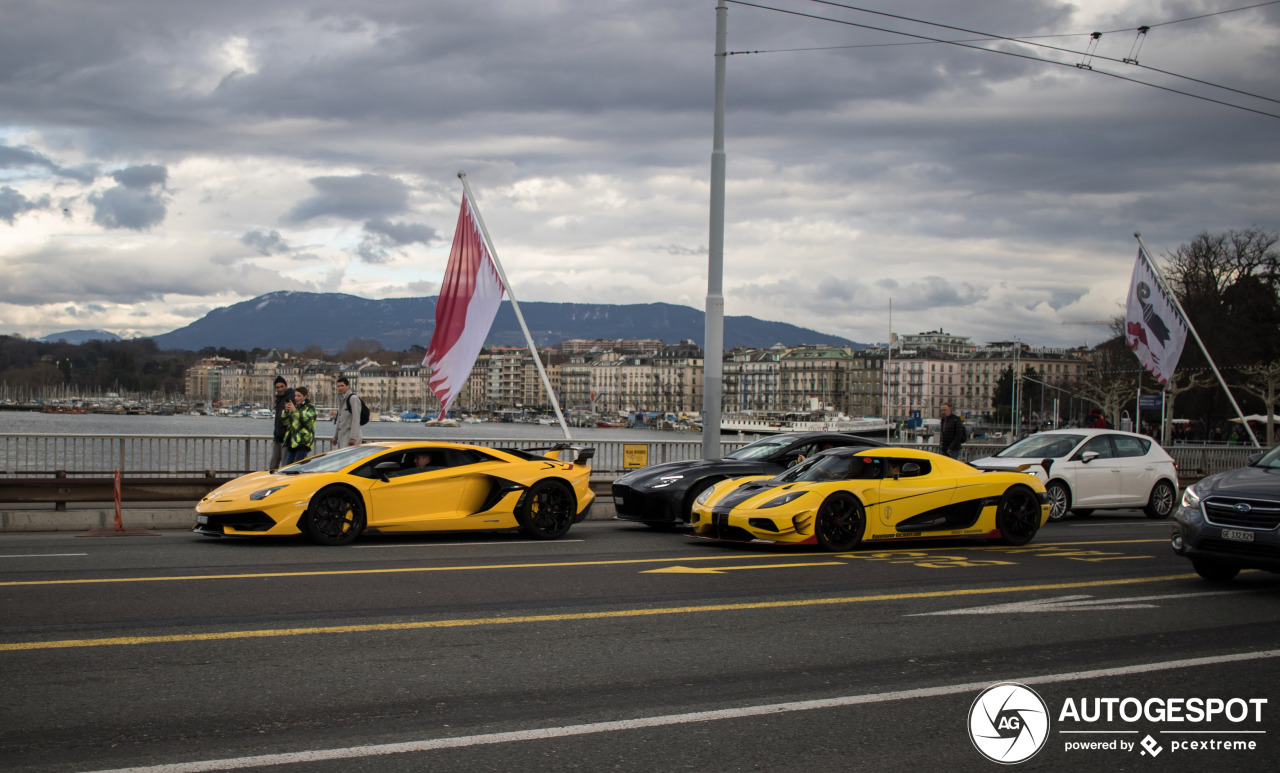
x=221, y=455
x=62, y=468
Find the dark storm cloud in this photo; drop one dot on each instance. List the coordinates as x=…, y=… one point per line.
x=382, y=237
x=402, y=233
x=144, y=177
x=266, y=244
x=352, y=198
x=138, y=202
x=13, y=203
x=20, y=158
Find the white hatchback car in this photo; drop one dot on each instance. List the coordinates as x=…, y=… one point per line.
x=1088, y=469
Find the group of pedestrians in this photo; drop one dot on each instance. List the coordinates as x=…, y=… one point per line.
x=295, y=422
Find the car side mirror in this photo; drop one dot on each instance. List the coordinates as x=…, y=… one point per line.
x=384, y=468
x=1088, y=456
x=1254, y=459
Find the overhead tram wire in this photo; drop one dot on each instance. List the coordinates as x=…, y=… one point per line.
x=1088, y=54
x=1004, y=53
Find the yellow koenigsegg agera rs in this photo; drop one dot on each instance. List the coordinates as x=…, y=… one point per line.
x=406, y=487
x=843, y=497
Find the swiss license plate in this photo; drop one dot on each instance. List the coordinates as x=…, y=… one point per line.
x=617, y=501
x=1237, y=535
x=202, y=519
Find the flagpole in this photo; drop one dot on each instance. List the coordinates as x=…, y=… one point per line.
x=1142, y=249
x=515, y=305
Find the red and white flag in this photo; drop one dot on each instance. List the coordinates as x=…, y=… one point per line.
x=1153, y=328
x=468, y=302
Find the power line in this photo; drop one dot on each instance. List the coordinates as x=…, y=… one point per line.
x=1093, y=40
x=1004, y=53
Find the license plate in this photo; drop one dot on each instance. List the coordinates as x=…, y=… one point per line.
x=202, y=519
x=617, y=501
x=1237, y=535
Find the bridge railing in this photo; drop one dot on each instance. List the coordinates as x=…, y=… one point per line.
x=214, y=458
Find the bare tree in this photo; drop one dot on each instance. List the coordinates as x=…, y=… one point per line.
x=1263, y=382
x=1182, y=381
x=1112, y=378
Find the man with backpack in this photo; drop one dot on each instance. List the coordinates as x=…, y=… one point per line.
x=352, y=413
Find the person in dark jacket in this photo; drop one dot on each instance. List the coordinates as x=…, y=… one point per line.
x=952, y=433
x=283, y=395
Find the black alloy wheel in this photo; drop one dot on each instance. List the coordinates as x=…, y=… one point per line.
x=1059, y=500
x=840, y=523
x=1018, y=515
x=335, y=516
x=691, y=496
x=547, y=510
x=1162, y=500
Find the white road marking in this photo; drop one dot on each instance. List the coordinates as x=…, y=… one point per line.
x=1163, y=524
x=461, y=544
x=429, y=744
x=1072, y=604
x=44, y=555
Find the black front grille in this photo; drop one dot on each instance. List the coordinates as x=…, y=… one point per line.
x=720, y=529
x=1249, y=513
x=1240, y=548
x=628, y=501
x=250, y=521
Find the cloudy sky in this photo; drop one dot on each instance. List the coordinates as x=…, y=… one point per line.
x=161, y=159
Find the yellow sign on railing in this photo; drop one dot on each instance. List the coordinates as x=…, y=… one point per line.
x=634, y=456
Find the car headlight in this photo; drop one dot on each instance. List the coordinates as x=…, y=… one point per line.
x=666, y=480
x=1191, y=497
x=784, y=499
x=264, y=493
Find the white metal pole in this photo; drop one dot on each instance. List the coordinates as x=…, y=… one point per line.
x=888, y=376
x=515, y=305
x=713, y=344
x=1142, y=249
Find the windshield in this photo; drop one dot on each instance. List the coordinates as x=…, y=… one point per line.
x=762, y=448
x=1053, y=446
x=828, y=468
x=1271, y=459
x=332, y=461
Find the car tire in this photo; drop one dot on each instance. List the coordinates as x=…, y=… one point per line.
x=1018, y=515
x=1215, y=571
x=840, y=523
x=1162, y=500
x=546, y=510
x=1059, y=500
x=335, y=516
x=686, y=504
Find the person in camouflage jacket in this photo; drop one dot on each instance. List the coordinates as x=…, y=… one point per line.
x=300, y=423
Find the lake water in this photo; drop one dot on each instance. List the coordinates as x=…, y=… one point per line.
x=30, y=423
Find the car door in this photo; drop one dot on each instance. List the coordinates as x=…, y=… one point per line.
x=417, y=498
x=1137, y=469
x=1096, y=482
x=908, y=495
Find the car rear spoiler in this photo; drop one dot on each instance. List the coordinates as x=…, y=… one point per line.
x=583, y=454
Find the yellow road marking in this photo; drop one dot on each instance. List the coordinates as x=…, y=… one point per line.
x=412, y=569
x=719, y=569
x=621, y=613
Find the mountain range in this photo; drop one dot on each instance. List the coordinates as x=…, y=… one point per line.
x=297, y=320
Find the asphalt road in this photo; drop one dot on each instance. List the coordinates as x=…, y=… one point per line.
x=623, y=648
